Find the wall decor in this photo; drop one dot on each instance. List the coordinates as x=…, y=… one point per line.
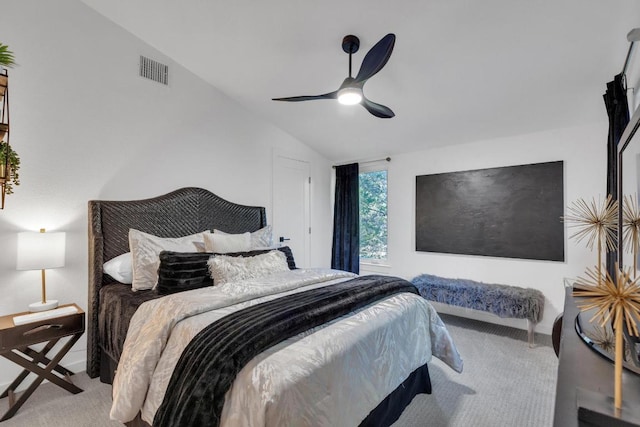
x=511, y=212
x=9, y=160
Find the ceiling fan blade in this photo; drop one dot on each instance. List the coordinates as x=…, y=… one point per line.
x=376, y=58
x=330, y=95
x=377, y=110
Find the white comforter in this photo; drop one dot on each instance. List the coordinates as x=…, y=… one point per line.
x=332, y=375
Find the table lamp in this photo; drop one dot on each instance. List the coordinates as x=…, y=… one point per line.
x=40, y=251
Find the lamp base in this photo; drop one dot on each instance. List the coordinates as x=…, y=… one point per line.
x=43, y=306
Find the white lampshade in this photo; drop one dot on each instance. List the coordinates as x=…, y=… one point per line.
x=39, y=251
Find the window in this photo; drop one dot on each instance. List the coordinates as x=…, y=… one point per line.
x=373, y=215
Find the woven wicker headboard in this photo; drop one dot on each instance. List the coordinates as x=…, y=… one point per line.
x=179, y=213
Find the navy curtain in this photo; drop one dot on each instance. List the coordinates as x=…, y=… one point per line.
x=345, y=253
x=615, y=99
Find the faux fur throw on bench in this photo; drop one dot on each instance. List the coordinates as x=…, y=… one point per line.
x=213, y=358
x=501, y=300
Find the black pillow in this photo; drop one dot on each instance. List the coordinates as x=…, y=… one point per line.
x=183, y=271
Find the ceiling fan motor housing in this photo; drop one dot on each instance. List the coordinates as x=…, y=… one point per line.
x=350, y=44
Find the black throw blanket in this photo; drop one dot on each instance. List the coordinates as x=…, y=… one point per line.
x=210, y=362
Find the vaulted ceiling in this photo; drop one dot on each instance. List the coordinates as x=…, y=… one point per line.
x=461, y=71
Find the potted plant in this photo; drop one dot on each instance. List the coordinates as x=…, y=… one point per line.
x=9, y=159
x=6, y=60
x=6, y=56
x=11, y=177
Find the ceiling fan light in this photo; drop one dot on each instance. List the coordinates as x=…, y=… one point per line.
x=350, y=96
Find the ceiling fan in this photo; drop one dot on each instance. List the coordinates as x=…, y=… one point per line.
x=350, y=92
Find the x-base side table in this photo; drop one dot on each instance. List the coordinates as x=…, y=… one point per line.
x=15, y=345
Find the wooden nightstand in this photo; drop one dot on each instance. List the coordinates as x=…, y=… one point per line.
x=15, y=342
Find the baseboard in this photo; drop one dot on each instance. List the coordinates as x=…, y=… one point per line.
x=77, y=367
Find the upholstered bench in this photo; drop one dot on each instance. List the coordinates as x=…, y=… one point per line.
x=501, y=300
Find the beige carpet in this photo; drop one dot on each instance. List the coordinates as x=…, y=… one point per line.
x=52, y=406
x=504, y=383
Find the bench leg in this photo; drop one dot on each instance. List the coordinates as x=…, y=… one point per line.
x=531, y=328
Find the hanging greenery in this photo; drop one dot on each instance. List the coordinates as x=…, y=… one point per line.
x=9, y=159
x=12, y=177
x=6, y=56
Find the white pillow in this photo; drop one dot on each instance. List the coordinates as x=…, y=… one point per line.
x=225, y=268
x=222, y=243
x=145, y=251
x=120, y=268
x=260, y=239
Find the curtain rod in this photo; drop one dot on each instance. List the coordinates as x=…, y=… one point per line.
x=633, y=36
x=386, y=159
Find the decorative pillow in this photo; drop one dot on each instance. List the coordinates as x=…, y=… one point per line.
x=260, y=239
x=224, y=268
x=145, y=249
x=223, y=243
x=286, y=250
x=181, y=271
x=120, y=268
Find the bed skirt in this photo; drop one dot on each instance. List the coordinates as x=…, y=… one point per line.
x=390, y=409
x=387, y=412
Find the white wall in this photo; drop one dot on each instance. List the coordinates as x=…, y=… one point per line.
x=88, y=127
x=583, y=151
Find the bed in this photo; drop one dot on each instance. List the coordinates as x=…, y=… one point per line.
x=113, y=308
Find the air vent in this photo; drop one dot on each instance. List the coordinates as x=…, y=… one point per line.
x=154, y=70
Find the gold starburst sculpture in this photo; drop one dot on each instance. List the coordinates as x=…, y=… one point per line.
x=603, y=337
x=617, y=303
x=597, y=222
x=609, y=296
x=631, y=228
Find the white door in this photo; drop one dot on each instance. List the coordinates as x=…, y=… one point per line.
x=291, y=206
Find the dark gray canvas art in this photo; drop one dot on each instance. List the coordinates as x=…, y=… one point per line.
x=511, y=212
